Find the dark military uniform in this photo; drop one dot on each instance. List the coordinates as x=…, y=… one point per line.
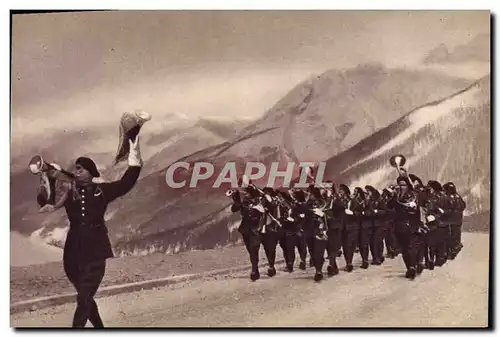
x=335, y=214
x=319, y=239
x=87, y=244
x=251, y=219
x=423, y=252
x=436, y=232
x=375, y=210
x=271, y=234
x=407, y=224
x=292, y=236
x=455, y=207
x=351, y=226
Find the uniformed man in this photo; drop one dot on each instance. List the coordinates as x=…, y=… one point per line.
x=290, y=233
x=443, y=231
x=252, y=216
x=433, y=211
x=365, y=226
x=391, y=243
x=299, y=214
x=351, y=224
x=87, y=243
x=455, y=208
x=372, y=214
x=318, y=225
x=334, y=215
x=407, y=224
x=272, y=230
x=308, y=224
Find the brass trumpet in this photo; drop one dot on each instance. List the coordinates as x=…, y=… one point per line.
x=398, y=161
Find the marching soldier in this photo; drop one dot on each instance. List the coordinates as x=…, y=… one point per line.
x=391, y=242
x=423, y=251
x=299, y=214
x=407, y=224
x=433, y=211
x=271, y=229
x=291, y=220
x=373, y=216
x=87, y=245
x=351, y=224
x=385, y=215
x=443, y=228
x=319, y=231
x=455, y=208
x=252, y=214
x=308, y=225
x=365, y=229
x=334, y=214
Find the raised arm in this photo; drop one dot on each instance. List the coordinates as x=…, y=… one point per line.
x=121, y=187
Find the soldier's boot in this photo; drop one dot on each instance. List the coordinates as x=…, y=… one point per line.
x=302, y=265
x=349, y=268
x=289, y=268
x=318, y=276
x=255, y=275
x=365, y=265
x=332, y=270
x=339, y=253
x=271, y=271
x=431, y=265
x=451, y=255
x=420, y=268
x=411, y=273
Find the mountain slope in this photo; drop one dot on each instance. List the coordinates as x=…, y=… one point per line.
x=448, y=140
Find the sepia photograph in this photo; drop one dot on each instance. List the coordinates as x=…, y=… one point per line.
x=250, y=168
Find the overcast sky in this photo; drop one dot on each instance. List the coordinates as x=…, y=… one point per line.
x=73, y=70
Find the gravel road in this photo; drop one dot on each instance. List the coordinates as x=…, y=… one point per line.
x=455, y=295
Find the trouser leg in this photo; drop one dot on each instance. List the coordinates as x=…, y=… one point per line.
x=365, y=235
x=334, y=244
x=377, y=243
x=310, y=244
x=252, y=244
x=404, y=240
x=270, y=242
x=87, y=278
x=302, y=248
x=441, y=250
x=349, y=244
x=319, y=248
x=291, y=241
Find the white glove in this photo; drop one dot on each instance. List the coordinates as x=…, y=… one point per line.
x=363, y=213
x=412, y=204
x=318, y=212
x=98, y=180
x=302, y=215
x=290, y=219
x=375, y=211
x=268, y=198
x=348, y=211
x=134, y=156
x=259, y=208
x=56, y=166
x=431, y=218
x=441, y=210
x=47, y=208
